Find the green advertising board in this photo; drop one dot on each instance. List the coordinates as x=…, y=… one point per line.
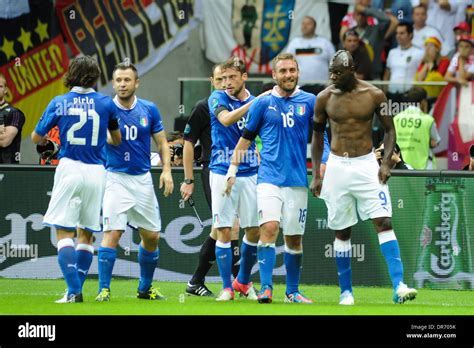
x=432, y=218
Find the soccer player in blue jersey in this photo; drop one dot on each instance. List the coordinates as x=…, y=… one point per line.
x=129, y=195
x=354, y=182
x=227, y=110
x=83, y=117
x=283, y=121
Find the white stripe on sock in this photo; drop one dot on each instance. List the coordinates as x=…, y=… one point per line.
x=292, y=251
x=342, y=245
x=264, y=245
x=246, y=241
x=85, y=247
x=386, y=236
x=222, y=244
x=66, y=242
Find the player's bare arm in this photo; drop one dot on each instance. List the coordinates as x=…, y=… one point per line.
x=317, y=142
x=9, y=133
x=389, y=138
x=228, y=118
x=237, y=157
x=114, y=137
x=188, y=159
x=165, y=179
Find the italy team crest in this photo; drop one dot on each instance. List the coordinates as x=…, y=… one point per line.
x=262, y=27
x=300, y=110
x=143, y=121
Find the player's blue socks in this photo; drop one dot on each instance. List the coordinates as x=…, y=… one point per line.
x=67, y=262
x=292, y=259
x=248, y=257
x=224, y=262
x=106, y=258
x=391, y=252
x=84, y=255
x=266, y=261
x=148, y=261
x=343, y=263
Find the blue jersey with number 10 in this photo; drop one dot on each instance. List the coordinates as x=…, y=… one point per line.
x=283, y=124
x=137, y=125
x=82, y=116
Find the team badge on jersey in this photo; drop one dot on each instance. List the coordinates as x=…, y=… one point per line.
x=144, y=121
x=300, y=110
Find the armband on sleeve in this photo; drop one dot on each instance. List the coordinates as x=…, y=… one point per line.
x=113, y=124
x=319, y=127
x=249, y=135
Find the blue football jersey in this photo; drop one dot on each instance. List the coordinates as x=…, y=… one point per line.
x=224, y=139
x=82, y=116
x=137, y=125
x=283, y=124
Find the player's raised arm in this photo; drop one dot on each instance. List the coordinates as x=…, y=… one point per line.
x=228, y=118
x=317, y=142
x=165, y=179
x=389, y=139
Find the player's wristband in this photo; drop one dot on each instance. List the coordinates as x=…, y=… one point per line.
x=319, y=127
x=232, y=171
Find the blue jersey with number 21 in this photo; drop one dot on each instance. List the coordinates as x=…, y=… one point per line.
x=82, y=116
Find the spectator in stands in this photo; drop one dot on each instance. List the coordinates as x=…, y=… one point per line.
x=470, y=165
x=461, y=29
x=432, y=68
x=362, y=64
x=400, y=8
x=176, y=143
x=312, y=53
x=461, y=67
x=11, y=124
x=416, y=130
x=442, y=15
x=421, y=31
x=402, y=63
x=348, y=21
x=373, y=35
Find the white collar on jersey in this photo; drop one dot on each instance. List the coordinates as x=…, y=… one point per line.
x=237, y=99
x=82, y=90
x=120, y=106
x=276, y=94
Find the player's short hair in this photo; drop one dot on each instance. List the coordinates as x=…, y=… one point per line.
x=235, y=63
x=407, y=25
x=125, y=66
x=214, y=67
x=83, y=71
x=416, y=94
x=284, y=56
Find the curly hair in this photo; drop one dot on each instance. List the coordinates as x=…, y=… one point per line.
x=84, y=71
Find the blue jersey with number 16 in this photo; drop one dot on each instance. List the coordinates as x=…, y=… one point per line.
x=82, y=116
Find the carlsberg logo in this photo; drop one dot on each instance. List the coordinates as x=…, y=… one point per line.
x=442, y=263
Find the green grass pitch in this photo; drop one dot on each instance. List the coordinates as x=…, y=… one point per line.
x=26, y=296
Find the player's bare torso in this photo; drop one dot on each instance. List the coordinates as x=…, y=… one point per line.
x=350, y=115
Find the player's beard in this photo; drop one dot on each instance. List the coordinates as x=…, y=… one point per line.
x=236, y=91
x=282, y=83
x=127, y=97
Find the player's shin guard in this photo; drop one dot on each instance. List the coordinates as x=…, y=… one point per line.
x=292, y=259
x=224, y=262
x=148, y=261
x=342, y=250
x=106, y=257
x=234, y=244
x=248, y=257
x=84, y=254
x=67, y=262
x=391, y=252
x=266, y=261
x=207, y=257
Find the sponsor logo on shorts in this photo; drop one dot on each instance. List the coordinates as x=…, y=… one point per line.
x=106, y=221
x=215, y=220
x=260, y=214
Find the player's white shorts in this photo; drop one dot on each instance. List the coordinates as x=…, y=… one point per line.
x=132, y=199
x=286, y=205
x=77, y=194
x=351, y=186
x=242, y=201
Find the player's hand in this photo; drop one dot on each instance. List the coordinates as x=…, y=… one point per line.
x=315, y=186
x=167, y=180
x=228, y=185
x=2, y=128
x=186, y=190
x=384, y=173
x=265, y=93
